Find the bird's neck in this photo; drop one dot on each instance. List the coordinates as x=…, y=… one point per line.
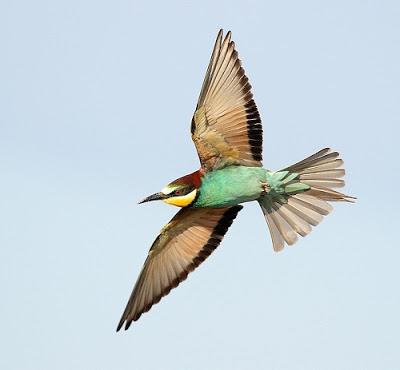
x=193, y=178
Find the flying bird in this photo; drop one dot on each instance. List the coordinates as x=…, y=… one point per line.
x=226, y=130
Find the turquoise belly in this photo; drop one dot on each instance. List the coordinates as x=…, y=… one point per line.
x=230, y=186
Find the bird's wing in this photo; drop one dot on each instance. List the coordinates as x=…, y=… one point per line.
x=183, y=244
x=226, y=126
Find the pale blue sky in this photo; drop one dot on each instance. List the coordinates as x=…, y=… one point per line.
x=96, y=101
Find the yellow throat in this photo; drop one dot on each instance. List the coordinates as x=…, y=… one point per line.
x=183, y=200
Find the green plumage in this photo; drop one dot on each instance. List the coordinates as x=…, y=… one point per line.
x=230, y=186
x=238, y=184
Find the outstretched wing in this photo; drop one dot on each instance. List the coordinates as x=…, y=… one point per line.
x=183, y=244
x=226, y=126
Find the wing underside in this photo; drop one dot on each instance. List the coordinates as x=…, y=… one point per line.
x=226, y=126
x=187, y=240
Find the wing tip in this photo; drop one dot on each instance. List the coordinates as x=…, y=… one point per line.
x=120, y=324
x=227, y=37
x=129, y=318
x=124, y=321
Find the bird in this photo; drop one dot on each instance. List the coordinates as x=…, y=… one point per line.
x=228, y=135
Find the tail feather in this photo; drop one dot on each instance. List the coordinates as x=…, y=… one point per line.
x=323, y=156
x=301, y=226
x=324, y=183
x=306, y=213
x=318, y=205
x=330, y=195
x=333, y=164
x=287, y=232
x=290, y=214
x=323, y=174
x=277, y=240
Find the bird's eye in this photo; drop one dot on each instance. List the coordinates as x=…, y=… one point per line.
x=179, y=192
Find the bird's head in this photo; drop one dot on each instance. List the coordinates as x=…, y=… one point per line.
x=181, y=192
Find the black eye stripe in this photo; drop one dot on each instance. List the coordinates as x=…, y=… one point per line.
x=183, y=191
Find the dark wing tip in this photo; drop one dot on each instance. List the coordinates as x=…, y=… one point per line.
x=227, y=37
x=219, y=37
x=120, y=325
x=123, y=321
x=128, y=324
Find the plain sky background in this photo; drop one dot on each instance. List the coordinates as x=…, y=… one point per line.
x=96, y=99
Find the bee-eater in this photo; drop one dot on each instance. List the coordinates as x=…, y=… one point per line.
x=227, y=132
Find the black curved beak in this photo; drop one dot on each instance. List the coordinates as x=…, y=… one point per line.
x=156, y=196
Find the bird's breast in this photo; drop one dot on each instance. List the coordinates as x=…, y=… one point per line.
x=230, y=186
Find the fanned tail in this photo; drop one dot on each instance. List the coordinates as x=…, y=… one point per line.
x=296, y=198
